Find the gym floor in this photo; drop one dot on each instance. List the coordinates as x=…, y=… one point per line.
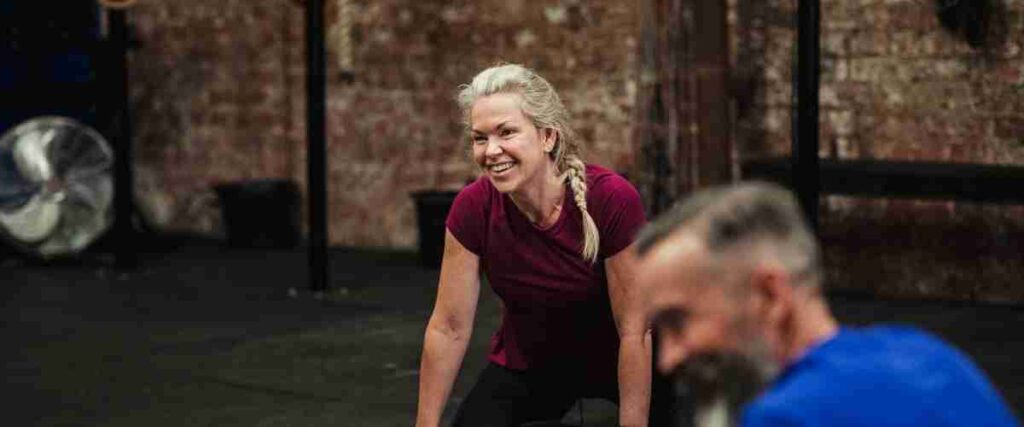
x=201, y=334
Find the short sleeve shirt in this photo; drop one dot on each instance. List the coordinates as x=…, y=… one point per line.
x=881, y=376
x=556, y=309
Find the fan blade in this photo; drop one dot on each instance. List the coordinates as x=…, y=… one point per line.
x=79, y=154
x=30, y=156
x=15, y=190
x=96, y=192
x=33, y=222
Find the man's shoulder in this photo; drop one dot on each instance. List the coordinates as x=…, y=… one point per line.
x=898, y=354
x=888, y=349
x=878, y=376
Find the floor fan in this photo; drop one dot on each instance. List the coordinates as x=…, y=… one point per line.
x=56, y=186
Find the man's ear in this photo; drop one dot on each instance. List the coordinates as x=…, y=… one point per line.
x=774, y=293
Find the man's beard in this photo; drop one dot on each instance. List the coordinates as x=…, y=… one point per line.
x=714, y=387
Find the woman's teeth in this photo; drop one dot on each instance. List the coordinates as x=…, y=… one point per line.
x=501, y=167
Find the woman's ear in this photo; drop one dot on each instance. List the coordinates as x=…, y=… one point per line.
x=550, y=139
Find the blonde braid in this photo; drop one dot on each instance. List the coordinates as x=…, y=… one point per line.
x=577, y=179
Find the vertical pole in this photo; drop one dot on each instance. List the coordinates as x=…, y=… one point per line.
x=711, y=115
x=805, y=136
x=117, y=80
x=316, y=145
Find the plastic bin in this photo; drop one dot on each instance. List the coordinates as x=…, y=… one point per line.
x=431, y=211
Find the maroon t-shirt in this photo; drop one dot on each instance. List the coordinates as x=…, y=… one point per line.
x=557, y=312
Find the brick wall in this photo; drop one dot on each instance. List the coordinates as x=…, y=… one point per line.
x=218, y=95
x=896, y=85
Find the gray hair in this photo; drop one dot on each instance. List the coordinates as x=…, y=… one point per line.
x=541, y=104
x=740, y=215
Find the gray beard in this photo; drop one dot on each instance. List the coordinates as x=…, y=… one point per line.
x=716, y=386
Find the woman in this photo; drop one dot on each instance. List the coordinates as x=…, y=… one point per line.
x=554, y=237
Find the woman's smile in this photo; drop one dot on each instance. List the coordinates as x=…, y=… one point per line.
x=499, y=169
x=507, y=146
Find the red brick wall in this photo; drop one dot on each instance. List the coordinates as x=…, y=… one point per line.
x=219, y=96
x=895, y=84
x=216, y=97
x=898, y=86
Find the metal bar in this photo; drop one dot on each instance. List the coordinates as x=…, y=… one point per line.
x=316, y=89
x=117, y=81
x=805, y=137
x=901, y=179
x=711, y=116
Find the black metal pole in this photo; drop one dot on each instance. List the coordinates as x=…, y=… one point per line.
x=316, y=157
x=805, y=136
x=117, y=81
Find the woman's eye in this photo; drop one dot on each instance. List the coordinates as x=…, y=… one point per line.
x=505, y=132
x=479, y=139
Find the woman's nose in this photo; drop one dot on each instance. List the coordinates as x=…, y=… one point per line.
x=493, y=147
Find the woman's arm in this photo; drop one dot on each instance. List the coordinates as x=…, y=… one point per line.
x=634, y=340
x=448, y=331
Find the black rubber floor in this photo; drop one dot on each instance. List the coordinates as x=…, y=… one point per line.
x=198, y=332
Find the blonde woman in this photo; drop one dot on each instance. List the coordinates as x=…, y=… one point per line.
x=554, y=237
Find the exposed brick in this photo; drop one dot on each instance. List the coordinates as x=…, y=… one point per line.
x=218, y=94
x=902, y=248
x=241, y=66
x=1010, y=128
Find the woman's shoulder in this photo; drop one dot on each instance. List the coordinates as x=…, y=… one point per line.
x=616, y=208
x=468, y=216
x=601, y=181
x=476, y=192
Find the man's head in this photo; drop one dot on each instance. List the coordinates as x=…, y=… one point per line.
x=728, y=271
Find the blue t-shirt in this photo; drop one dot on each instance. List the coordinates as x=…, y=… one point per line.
x=880, y=376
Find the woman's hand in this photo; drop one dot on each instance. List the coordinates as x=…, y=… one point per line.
x=448, y=331
x=634, y=340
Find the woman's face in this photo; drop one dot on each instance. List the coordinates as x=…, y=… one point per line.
x=506, y=144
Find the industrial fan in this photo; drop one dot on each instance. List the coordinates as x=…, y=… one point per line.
x=56, y=186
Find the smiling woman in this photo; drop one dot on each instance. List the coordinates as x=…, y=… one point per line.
x=513, y=153
x=510, y=103
x=554, y=237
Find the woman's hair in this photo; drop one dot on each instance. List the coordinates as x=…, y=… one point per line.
x=541, y=104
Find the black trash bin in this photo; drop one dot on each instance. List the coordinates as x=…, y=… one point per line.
x=261, y=213
x=431, y=210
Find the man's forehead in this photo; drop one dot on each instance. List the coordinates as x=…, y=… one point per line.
x=670, y=263
x=679, y=247
x=676, y=277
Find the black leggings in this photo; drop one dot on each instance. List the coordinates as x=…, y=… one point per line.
x=505, y=397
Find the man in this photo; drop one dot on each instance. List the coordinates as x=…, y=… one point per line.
x=734, y=273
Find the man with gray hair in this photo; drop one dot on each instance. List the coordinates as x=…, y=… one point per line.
x=732, y=280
